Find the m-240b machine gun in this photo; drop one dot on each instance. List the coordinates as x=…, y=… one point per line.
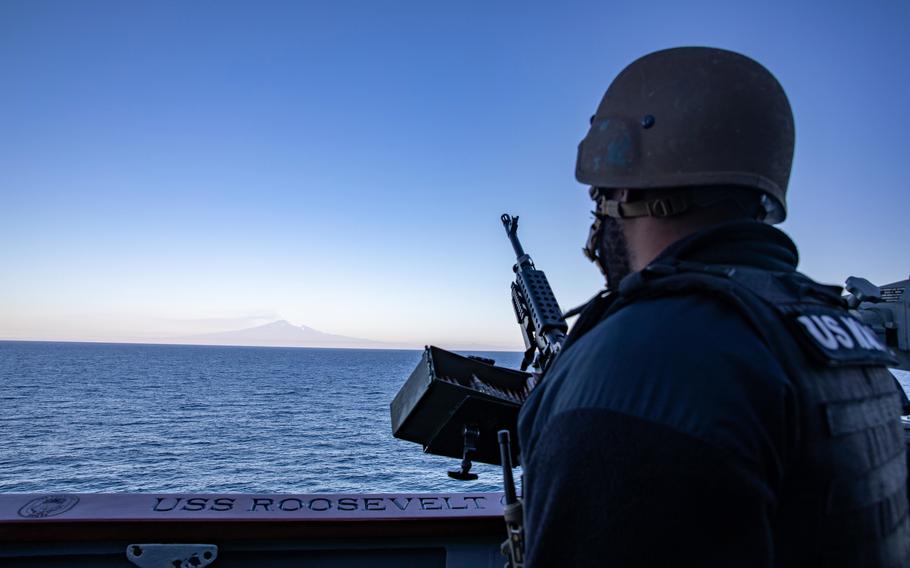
x=543, y=325
x=455, y=405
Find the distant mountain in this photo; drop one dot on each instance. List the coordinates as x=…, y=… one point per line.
x=285, y=334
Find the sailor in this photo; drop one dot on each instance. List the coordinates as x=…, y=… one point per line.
x=715, y=407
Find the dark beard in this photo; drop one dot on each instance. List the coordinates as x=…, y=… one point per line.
x=613, y=252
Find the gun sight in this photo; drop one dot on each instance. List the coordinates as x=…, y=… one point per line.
x=510, y=224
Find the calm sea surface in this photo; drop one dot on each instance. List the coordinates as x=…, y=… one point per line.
x=88, y=417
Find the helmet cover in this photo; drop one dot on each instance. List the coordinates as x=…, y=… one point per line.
x=692, y=117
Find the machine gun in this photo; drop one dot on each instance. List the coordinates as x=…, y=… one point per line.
x=454, y=405
x=543, y=325
x=886, y=310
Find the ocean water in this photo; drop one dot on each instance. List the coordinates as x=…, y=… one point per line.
x=89, y=417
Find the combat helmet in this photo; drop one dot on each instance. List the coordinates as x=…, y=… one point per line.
x=691, y=117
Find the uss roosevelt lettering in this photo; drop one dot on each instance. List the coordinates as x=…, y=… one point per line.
x=319, y=504
x=163, y=504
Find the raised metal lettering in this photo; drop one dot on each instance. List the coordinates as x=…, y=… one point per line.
x=265, y=503
x=312, y=505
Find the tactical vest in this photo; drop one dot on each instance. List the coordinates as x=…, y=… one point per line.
x=843, y=500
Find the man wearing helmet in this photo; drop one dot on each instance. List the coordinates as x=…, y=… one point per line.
x=715, y=407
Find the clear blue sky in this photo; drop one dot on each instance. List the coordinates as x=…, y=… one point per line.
x=168, y=167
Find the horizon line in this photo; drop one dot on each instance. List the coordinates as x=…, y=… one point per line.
x=186, y=344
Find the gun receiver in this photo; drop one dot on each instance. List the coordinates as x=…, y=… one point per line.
x=543, y=326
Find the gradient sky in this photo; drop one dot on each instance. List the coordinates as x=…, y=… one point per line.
x=182, y=167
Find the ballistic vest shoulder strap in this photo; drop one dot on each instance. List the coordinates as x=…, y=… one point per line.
x=813, y=315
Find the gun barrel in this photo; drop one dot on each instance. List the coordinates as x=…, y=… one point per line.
x=511, y=226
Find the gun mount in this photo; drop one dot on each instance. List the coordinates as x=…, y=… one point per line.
x=455, y=405
x=886, y=309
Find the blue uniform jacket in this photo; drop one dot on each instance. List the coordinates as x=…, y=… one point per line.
x=659, y=435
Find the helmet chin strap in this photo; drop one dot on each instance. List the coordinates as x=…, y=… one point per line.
x=605, y=245
x=591, y=246
x=663, y=207
x=608, y=210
